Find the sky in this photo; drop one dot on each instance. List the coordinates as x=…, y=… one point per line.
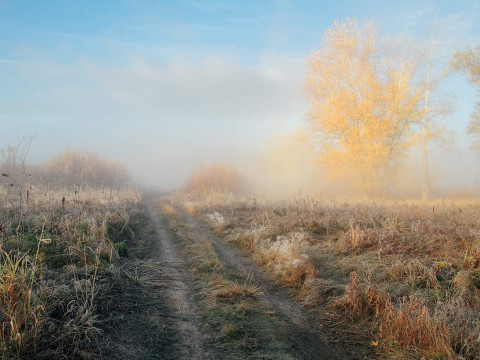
x=166, y=86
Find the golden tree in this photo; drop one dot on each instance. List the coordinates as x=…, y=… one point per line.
x=364, y=105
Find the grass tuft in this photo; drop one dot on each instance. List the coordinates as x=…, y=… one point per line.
x=234, y=291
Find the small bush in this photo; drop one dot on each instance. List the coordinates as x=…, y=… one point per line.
x=82, y=228
x=121, y=248
x=215, y=179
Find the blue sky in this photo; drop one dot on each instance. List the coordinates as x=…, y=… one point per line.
x=168, y=85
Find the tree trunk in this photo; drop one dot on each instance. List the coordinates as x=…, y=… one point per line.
x=426, y=180
x=426, y=134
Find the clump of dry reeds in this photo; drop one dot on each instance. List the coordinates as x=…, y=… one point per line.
x=234, y=290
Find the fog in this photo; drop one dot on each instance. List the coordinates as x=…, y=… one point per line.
x=164, y=120
x=165, y=109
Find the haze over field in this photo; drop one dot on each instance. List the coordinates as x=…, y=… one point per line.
x=167, y=86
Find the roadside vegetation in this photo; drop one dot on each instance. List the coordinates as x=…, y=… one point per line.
x=61, y=245
x=385, y=279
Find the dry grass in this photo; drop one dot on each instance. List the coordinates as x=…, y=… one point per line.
x=410, y=324
x=233, y=290
x=21, y=309
x=415, y=265
x=51, y=253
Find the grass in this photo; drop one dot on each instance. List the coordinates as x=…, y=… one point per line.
x=234, y=290
x=21, y=309
x=51, y=257
x=399, y=279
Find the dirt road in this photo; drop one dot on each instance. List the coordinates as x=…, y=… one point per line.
x=158, y=312
x=172, y=276
x=305, y=334
x=160, y=316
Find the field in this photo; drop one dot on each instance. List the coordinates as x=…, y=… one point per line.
x=393, y=280
x=60, y=254
x=103, y=273
x=240, y=180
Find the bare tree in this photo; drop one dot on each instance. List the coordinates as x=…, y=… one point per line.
x=15, y=175
x=74, y=168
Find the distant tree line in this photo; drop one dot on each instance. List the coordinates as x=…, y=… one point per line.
x=68, y=168
x=75, y=167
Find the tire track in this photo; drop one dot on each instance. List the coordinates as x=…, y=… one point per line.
x=169, y=272
x=305, y=333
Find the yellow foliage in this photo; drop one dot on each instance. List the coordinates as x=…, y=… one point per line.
x=364, y=105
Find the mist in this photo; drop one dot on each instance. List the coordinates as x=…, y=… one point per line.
x=164, y=110
x=163, y=120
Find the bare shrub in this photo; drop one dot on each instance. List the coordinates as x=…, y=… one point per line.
x=219, y=178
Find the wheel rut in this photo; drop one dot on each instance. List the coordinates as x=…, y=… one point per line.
x=170, y=274
x=305, y=333
x=153, y=303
